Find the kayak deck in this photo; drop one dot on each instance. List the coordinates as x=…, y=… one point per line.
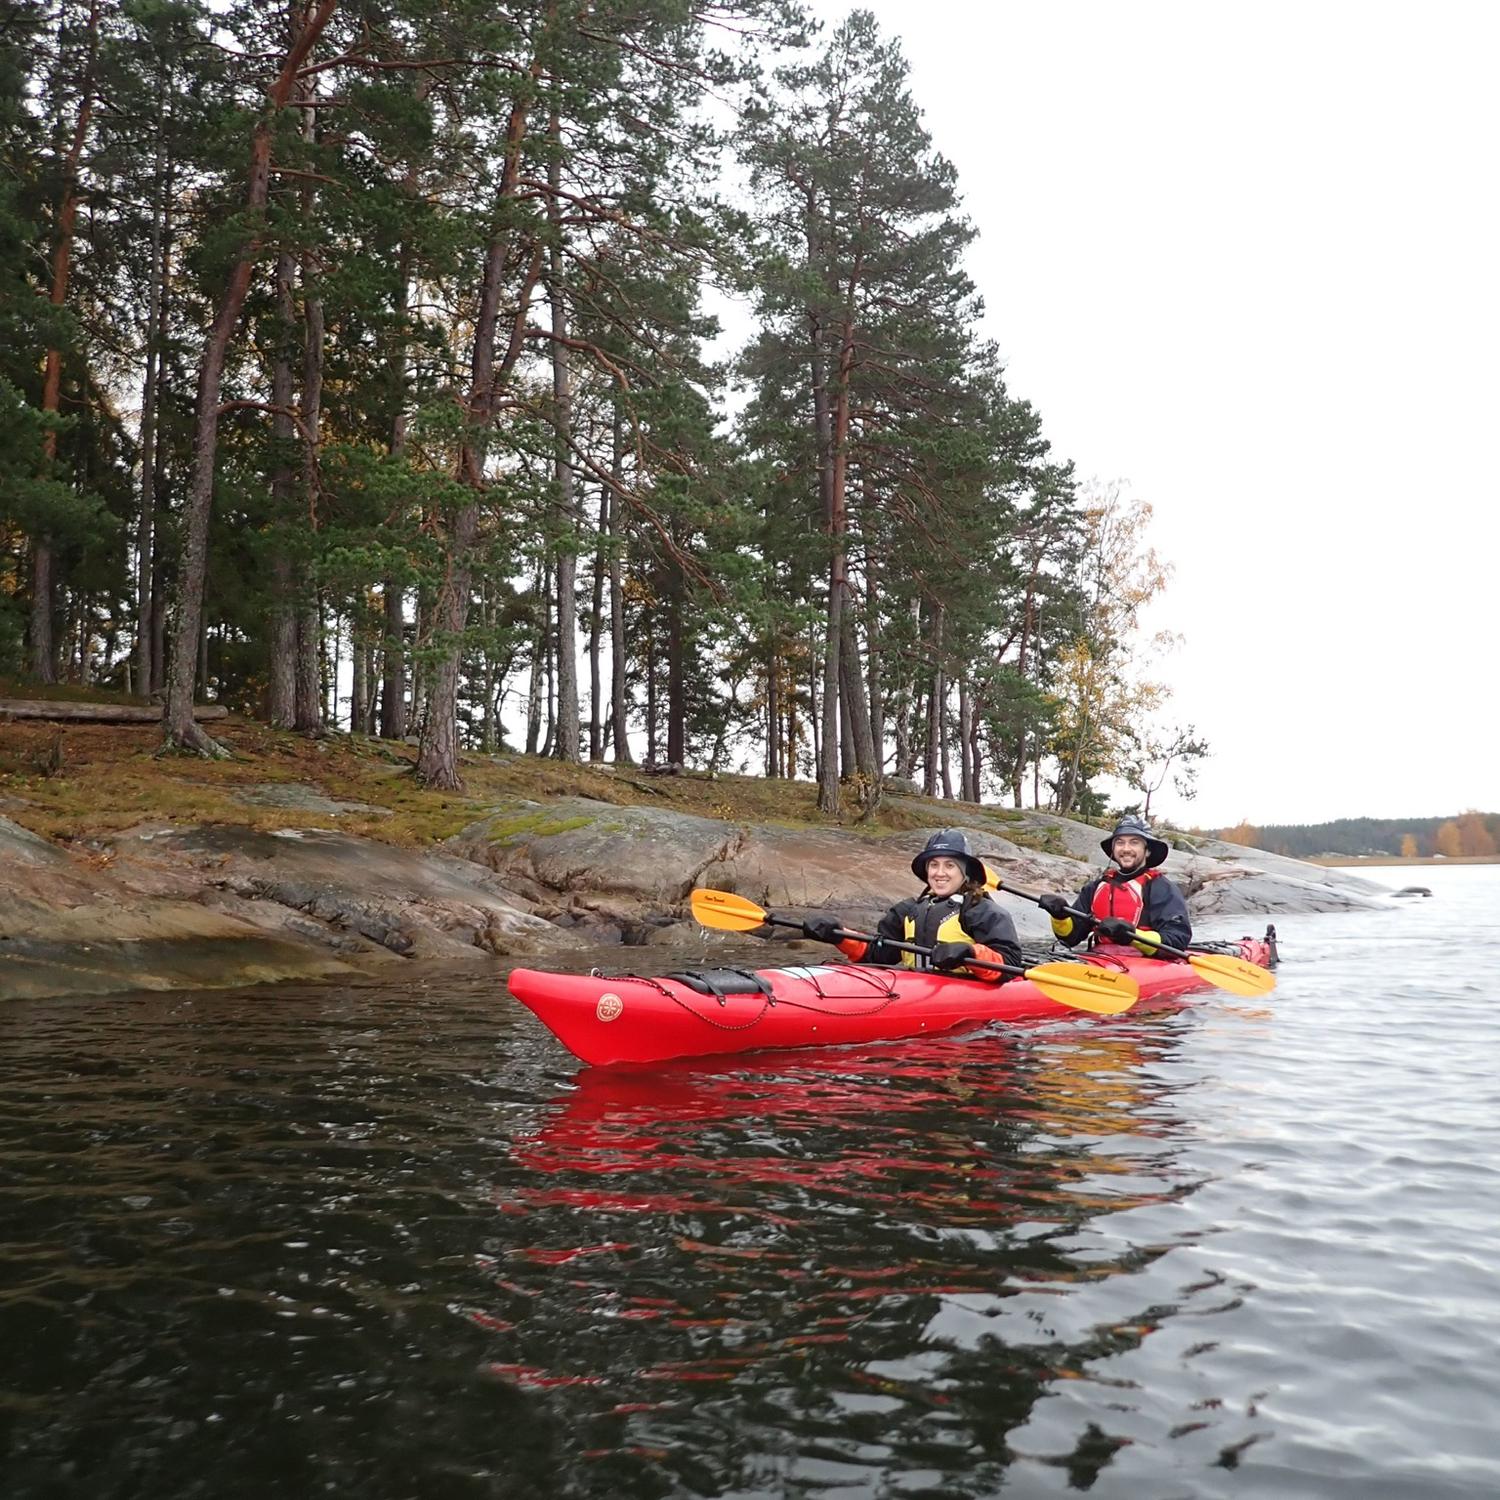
x=632, y=1018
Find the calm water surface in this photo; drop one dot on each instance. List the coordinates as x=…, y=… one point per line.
x=395, y=1242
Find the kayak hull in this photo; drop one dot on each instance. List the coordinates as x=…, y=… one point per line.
x=607, y=1019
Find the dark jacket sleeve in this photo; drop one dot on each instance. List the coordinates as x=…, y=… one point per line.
x=1082, y=926
x=1166, y=913
x=989, y=923
x=891, y=925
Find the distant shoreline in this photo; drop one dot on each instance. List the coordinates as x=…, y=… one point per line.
x=1396, y=859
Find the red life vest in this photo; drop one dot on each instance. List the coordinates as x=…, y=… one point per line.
x=1122, y=896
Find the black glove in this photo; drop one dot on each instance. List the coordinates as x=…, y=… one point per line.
x=1113, y=930
x=951, y=955
x=1055, y=906
x=821, y=929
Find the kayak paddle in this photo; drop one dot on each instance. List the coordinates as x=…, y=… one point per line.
x=1237, y=975
x=1105, y=992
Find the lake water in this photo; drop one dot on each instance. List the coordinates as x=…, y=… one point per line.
x=394, y=1242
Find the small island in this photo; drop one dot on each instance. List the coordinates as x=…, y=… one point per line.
x=320, y=858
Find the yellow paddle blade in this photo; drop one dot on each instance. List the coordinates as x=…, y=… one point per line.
x=1237, y=975
x=724, y=909
x=1106, y=992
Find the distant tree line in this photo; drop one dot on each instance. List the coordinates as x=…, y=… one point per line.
x=1470, y=833
x=355, y=372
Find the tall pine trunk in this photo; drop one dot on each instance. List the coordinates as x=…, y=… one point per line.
x=792, y=727
x=309, y=700
x=421, y=615
x=538, y=659
x=178, y=728
x=946, y=743
x=617, y=706
x=853, y=689
x=393, y=645
x=549, y=744
x=359, y=662
x=562, y=418
x=283, y=665
x=330, y=639
x=814, y=716
x=773, y=709
x=837, y=520
x=905, y=700
x=935, y=704
x=309, y=696
x=826, y=733
x=873, y=674
x=437, y=754
x=393, y=663
x=596, y=632
x=652, y=758
x=676, y=670
x=487, y=707
x=847, y=766
x=161, y=251
x=43, y=646
x=833, y=520
x=158, y=625
x=966, y=780
x=1028, y=624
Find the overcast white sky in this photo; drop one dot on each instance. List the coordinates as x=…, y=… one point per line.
x=1245, y=258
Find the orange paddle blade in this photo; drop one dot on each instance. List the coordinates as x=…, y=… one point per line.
x=1237, y=975
x=725, y=910
x=1105, y=992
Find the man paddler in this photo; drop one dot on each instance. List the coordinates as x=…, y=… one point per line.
x=1134, y=894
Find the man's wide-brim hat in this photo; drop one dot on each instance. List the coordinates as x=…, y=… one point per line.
x=952, y=844
x=1156, y=849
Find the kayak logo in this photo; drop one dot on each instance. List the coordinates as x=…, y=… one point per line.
x=609, y=1007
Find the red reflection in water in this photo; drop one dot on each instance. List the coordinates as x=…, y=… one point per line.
x=561, y=1257
x=976, y=1134
x=531, y=1377
x=619, y=1117
x=803, y=1120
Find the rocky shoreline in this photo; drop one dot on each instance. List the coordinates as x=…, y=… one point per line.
x=169, y=906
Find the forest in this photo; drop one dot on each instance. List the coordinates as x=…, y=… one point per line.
x=1468, y=835
x=594, y=378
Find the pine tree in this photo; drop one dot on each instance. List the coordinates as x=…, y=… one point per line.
x=868, y=371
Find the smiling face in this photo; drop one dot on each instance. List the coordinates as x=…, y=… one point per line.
x=944, y=875
x=1129, y=851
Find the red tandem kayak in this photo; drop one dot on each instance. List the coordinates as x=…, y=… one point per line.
x=629, y=1018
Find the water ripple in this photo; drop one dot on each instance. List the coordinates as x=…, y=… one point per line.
x=300, y=1241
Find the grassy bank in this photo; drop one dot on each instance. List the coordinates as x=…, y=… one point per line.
x=76, y=781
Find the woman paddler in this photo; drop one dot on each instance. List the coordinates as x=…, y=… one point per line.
x=953, y=915
x=1135, y=894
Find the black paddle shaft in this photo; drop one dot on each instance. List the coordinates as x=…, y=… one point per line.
x=1088, y=916
x=873, y=937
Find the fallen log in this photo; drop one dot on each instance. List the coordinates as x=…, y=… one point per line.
x=99, y=713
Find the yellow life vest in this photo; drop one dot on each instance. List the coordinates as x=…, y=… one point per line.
x=950, y=930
